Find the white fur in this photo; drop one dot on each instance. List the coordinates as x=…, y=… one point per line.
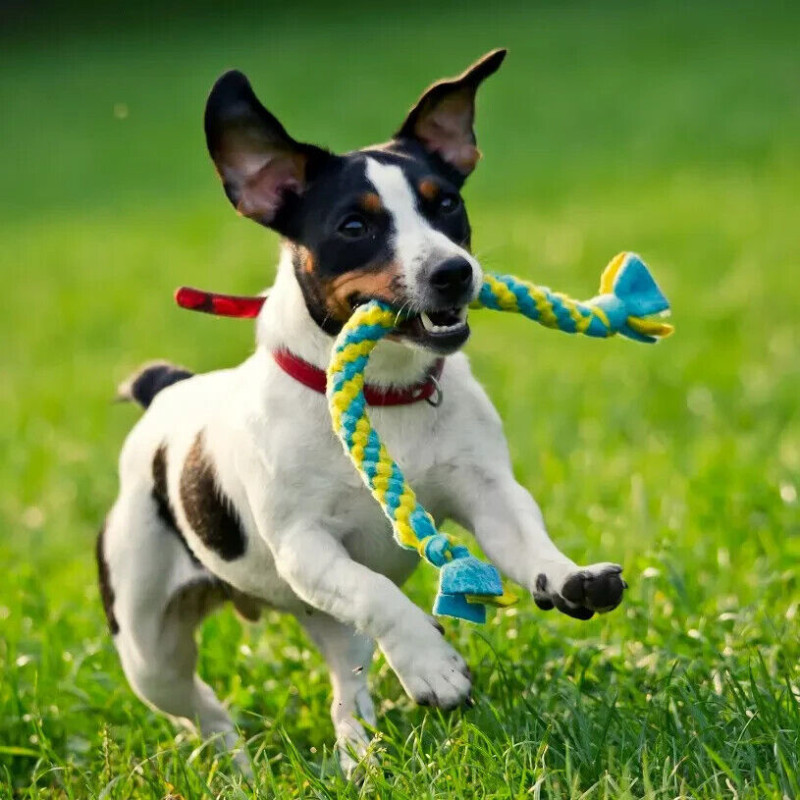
x=418, y=245
x=318, y=544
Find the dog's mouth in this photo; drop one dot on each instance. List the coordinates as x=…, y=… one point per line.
x=443, y=331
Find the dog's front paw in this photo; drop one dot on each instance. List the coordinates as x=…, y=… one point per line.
x=598, y=588
x=430, y=670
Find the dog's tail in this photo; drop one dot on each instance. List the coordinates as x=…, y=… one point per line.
x=149, y=380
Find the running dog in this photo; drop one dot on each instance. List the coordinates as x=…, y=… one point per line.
x=233, y=486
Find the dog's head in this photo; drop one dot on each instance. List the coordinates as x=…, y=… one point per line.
x=385, y=222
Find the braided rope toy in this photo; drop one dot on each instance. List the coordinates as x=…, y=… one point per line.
x=628, y=294
x=628, y=297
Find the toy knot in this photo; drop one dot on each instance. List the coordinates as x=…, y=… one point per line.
x=436, y=549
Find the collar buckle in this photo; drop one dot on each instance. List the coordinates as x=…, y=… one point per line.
x=435, y=399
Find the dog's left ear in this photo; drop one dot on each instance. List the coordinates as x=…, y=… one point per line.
x=263, y=169
x=442, y=120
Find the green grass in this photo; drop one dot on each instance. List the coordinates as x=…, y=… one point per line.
x=672, y=130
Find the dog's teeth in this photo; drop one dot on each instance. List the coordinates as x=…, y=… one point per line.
x=429, y=325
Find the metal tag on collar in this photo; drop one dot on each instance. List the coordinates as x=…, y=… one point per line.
x=436, y=398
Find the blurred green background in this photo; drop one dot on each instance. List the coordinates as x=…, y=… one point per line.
x=670, y=129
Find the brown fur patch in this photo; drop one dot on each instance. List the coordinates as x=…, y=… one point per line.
x=207, y=591
x=428, y=189
x=209, y=512
x=161, y=497
x=104, y=579
x=382, y=282
x=371, y=202
x=308, y=264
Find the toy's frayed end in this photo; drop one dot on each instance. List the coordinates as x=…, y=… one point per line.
x=466, y=574
x=627, y=277
x=648, y=330
x=630, y=281
x=458, y=607
x=467, y=585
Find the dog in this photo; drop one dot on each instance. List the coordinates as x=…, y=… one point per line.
x=233, y=486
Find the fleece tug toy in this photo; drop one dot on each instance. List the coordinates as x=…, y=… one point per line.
x=628, y=295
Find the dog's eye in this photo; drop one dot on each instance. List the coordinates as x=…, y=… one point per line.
x=448, y=203
x=353, y=226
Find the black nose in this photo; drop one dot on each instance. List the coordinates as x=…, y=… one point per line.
x=452, y=280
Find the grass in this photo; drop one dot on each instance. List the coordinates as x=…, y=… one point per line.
x=670, y=129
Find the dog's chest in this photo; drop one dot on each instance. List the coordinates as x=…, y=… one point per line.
x=310, y=474
x=283, y=469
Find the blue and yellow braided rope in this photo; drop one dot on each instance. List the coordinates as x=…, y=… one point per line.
x=628, y=295
x=463, y=577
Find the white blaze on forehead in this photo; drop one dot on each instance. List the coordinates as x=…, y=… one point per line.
x=417, y=244
x=397, y=197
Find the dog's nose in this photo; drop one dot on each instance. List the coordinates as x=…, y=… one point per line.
x=452, y=280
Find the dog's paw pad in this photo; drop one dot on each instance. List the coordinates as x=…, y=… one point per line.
x=544, y=603
x=598, y=588
x=595, y=589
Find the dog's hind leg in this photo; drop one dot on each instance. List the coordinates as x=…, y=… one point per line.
x=348, y=655
x=156, y=594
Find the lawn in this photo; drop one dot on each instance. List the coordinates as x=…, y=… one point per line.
x=670, y=129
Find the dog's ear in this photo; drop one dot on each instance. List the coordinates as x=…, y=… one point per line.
x=263, y=169
x=442, y=120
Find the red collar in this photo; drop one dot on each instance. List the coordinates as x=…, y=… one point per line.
x=228, y=305
x=314, y=378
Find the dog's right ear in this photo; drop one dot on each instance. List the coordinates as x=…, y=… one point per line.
x=443, y=118
x=263, y=169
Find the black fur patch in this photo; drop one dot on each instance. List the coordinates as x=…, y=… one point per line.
x=104, y=580
x=161, y=496
x=209, y=512
x=144, y=385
